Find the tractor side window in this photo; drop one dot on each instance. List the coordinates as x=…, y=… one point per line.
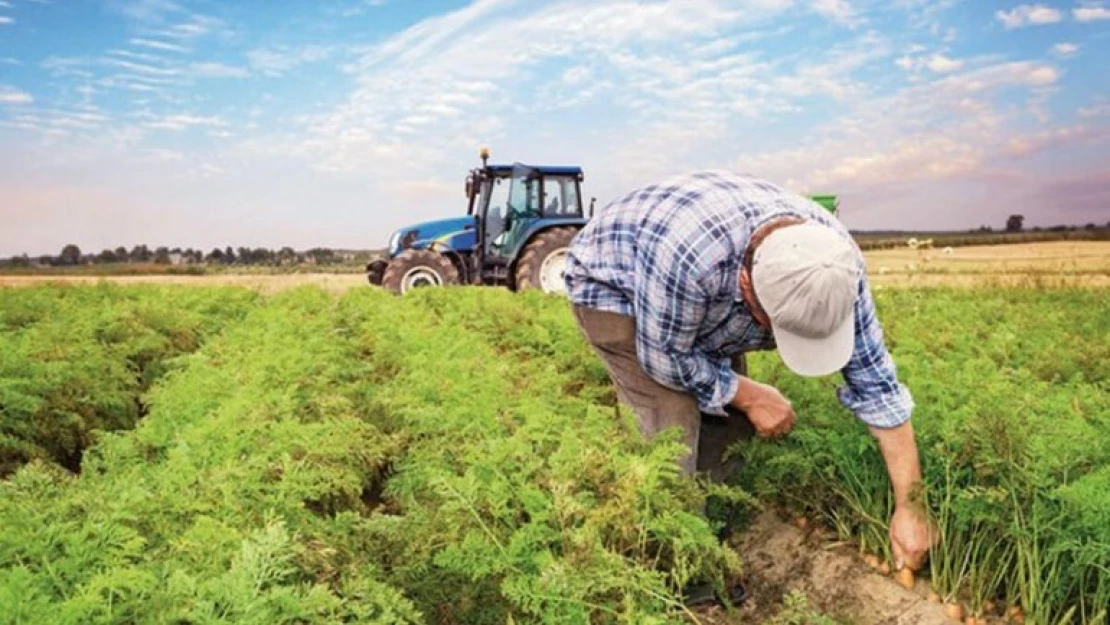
x=561, y=197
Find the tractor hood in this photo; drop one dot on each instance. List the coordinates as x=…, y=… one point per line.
x=459, y=233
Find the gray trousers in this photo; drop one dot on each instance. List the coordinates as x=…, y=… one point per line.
x=657, y=407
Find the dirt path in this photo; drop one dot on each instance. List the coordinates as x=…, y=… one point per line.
x=778, y=557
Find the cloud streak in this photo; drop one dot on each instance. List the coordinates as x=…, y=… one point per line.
x=1091, y=13
x=11, y=95
x=1029, y=15
x=159, y=45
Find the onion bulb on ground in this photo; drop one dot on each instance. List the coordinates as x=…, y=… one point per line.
x=934, y=597
x=954, y=611
x=872, y=560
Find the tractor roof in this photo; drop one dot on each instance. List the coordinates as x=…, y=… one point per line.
x=547, y=170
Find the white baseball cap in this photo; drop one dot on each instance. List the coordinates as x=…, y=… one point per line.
x=806, y=278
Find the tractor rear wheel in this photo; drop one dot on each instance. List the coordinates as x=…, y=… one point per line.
x=544, y=261
x=419, y=268
x=375, y=270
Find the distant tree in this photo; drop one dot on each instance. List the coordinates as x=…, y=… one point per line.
x=215, y=256
x=1089, y=227
x=107, y=256
x=20, y=261
x=262, y=255
x=176, y=250
x=71, y=255
x=162, y=256
x=229, y=255
x=47, y=260
x=1014, y=223
x=141, y=254
x=321, y=255
x=286, y=256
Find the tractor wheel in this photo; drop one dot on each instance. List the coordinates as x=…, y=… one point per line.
x=544, y=261
x=419, y=268
x=375, y=270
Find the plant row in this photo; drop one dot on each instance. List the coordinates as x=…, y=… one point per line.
x=451, y=456
x=75, y=361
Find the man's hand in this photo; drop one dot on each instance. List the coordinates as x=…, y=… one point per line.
x=767, y=409
x=911, y=537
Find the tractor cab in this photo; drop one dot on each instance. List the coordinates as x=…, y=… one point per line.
x=514, y=202
x=520, y=220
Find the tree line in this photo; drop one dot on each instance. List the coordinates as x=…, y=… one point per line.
x=71, y=255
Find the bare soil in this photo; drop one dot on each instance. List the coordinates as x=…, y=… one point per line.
x=778, y=558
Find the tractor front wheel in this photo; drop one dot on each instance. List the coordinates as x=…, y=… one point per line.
x=419, y=268
x=375, y=270
x=544, y=261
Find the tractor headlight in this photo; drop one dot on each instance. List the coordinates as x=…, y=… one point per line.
x=395, y=243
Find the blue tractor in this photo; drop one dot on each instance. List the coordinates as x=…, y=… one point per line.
x=519, y=223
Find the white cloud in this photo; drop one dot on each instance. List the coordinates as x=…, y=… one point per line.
x=5, y=5
x=10, y=61
x=159, y=45
x=143, y=68
x=1091, y=13
x=196, y=26
x=277, y=61
x=1028, y=15
x=1099, y=108
x=942, y=64
x=938, y=63
x=6, y=20
x=139, y=56
x=144, y=10
x=840, y=11
x=1065, y=50
x=183, y=121
x=217, y=70
x=11, y=95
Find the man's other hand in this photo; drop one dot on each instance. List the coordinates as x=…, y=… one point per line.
x=768, y=410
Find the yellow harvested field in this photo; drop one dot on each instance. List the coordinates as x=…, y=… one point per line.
x=1056, y=263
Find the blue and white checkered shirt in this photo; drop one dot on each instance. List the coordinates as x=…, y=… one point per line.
x=670, y=255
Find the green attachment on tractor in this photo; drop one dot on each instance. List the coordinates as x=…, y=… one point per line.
x=830, y=202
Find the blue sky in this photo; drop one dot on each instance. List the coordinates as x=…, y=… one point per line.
x=210, y=123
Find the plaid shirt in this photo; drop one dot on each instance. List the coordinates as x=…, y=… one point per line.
x=670, y=255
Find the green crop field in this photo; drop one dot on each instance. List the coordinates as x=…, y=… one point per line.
x=201, y=455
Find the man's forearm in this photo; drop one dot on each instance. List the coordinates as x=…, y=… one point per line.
x=899, y=449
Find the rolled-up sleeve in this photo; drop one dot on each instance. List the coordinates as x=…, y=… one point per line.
x=872, y=390
x=670, y=305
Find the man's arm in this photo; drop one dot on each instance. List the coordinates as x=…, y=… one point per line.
x=875, y=395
